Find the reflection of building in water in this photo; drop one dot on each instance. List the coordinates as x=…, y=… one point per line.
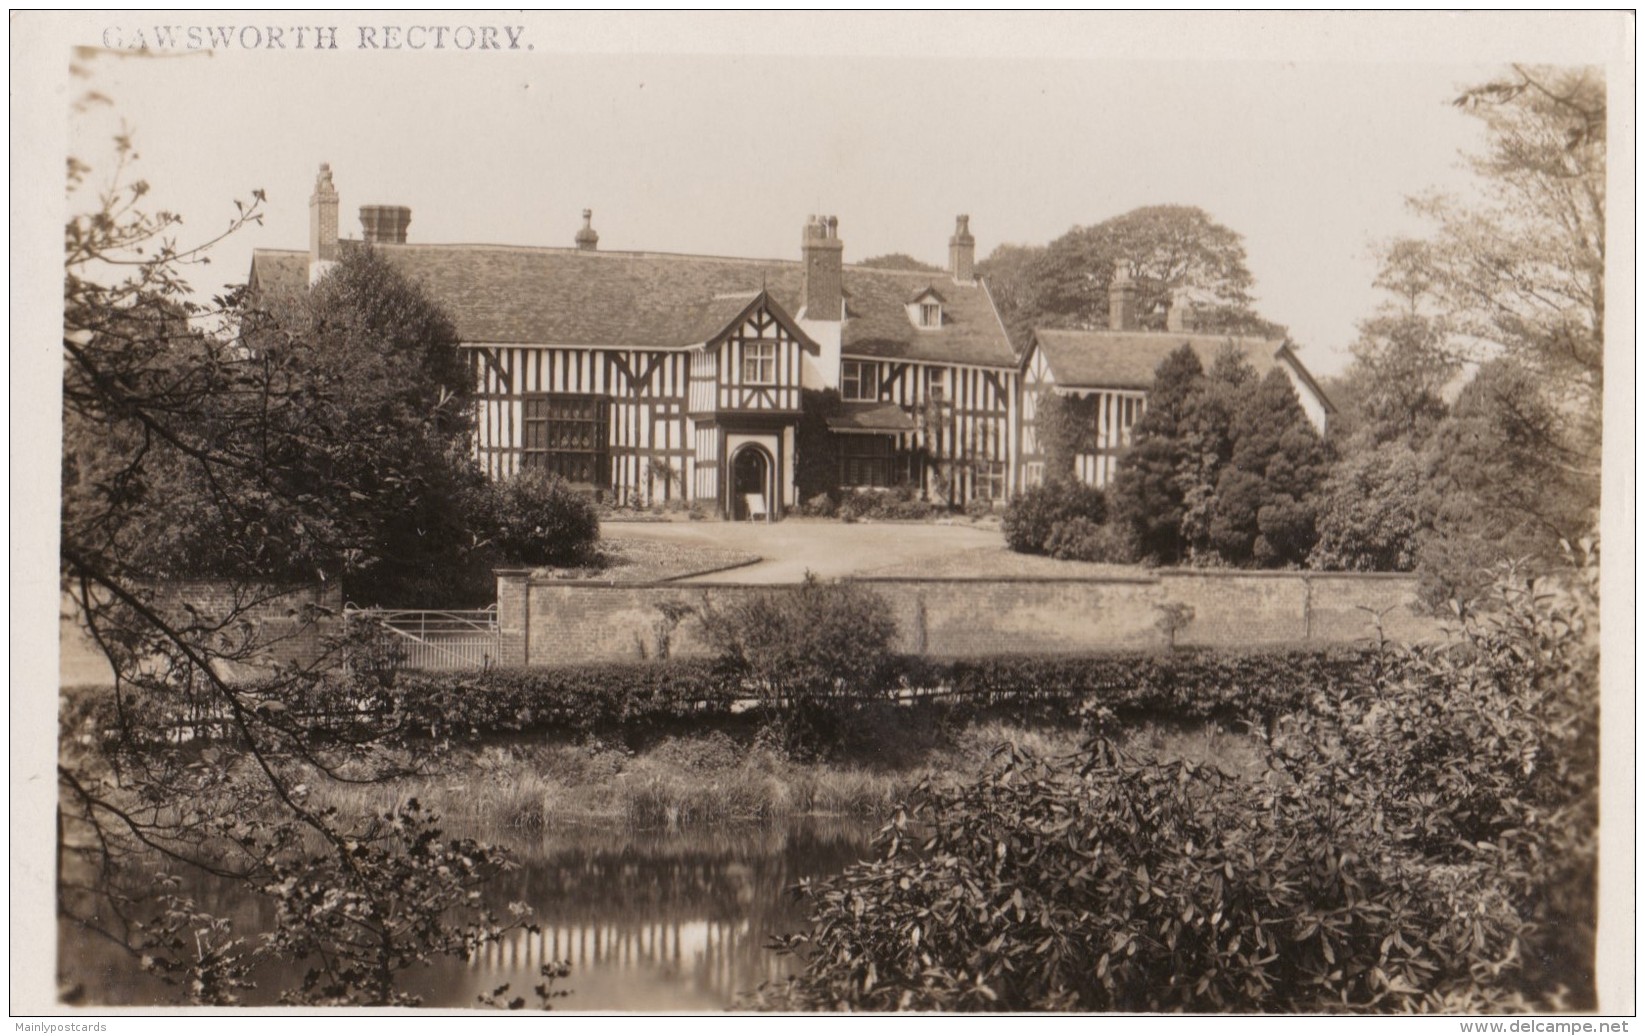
x=723, y=957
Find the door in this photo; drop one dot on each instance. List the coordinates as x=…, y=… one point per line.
x=751, y=485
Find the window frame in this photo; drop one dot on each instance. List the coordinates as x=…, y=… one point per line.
x=759, y=355
x=874, y=454
x=567, y=434
x=860, y=366
x=930, y=315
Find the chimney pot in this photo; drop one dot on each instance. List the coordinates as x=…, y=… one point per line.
x=385, y=224
x=587, y=238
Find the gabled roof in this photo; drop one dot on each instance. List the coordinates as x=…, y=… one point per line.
x=711, y=321
x=929, y=291
x=503, y=295
x=1127, y=359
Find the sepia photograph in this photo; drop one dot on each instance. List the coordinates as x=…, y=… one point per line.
x=891, y=512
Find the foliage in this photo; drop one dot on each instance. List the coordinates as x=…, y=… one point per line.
x=1147, y=495
x=537, y=519
x=1502, y=484
x=1032, y=518
x=1264, y=505
x=816, y=458
x=1065, y=427
x=1373, y=510
x=614, y=698
x=363, y=915
x=1207, y=432
x=1077, y=539
x=1524, y=269
x=249, y=459
x=1423, y=841
x=900, y=504
x=1173, y=619
x=1166, y=249
x=899, y=261
x=806, y=652
x=1517, y=278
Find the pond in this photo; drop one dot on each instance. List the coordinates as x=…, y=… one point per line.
x=650, y=920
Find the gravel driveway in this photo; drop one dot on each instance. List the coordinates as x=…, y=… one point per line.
x=830, y=549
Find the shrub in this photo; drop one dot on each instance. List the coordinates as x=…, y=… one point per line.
x=900, y=504
x=538, y=519
x=1081, y=539
x=808, y=652
x=820, y=506
x=1423, y=841
x=1031, y=517
x=979, y=507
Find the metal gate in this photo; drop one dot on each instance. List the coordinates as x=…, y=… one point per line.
x=435, y=639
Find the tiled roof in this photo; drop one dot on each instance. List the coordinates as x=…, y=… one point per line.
x=885, y=418
x=552, y=296
x=1127, y=359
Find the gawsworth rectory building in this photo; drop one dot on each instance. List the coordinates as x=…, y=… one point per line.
x=655, y=377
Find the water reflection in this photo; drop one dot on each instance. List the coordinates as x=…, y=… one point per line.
x=651, y=920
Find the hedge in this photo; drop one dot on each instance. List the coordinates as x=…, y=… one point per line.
x=632, y=697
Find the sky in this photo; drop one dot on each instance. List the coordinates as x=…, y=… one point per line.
x=1310, y=158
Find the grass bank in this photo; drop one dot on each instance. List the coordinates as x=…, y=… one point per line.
x=727, y=773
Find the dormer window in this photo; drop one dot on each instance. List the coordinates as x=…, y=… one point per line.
x=925, y=309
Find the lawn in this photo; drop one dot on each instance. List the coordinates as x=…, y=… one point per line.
x=999, y=562
x=653, y=561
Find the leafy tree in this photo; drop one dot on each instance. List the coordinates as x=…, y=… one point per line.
x=809, y=652
x=1374, y=510
x=1524, y=270
x=1513, y=281
x=1503, y=484
x=1166, y=248
x=1147, y=496
x=385, y=378
x=899, y=261
x=181, y=768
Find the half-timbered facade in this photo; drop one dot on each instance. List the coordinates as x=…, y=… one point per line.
x=652, y=378
x=1106, y=376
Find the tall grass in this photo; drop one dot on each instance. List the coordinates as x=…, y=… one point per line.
x=714, y=777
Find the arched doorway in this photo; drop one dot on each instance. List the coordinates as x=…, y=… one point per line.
x=752, y=487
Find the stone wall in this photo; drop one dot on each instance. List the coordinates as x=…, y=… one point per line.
x=550, y=623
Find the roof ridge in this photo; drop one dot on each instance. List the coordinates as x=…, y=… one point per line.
x=581, y=253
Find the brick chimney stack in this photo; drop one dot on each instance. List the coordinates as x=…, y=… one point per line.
x=385, y=224
x=962, y=251
x=588, y=239
x=822, y=253
x=322, y=224
x=1122, y=301
x=1180, y=317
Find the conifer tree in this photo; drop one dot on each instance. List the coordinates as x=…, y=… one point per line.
x=1147, y=495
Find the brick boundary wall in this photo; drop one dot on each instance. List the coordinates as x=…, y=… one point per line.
x=546, y=622
x=275, y=625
